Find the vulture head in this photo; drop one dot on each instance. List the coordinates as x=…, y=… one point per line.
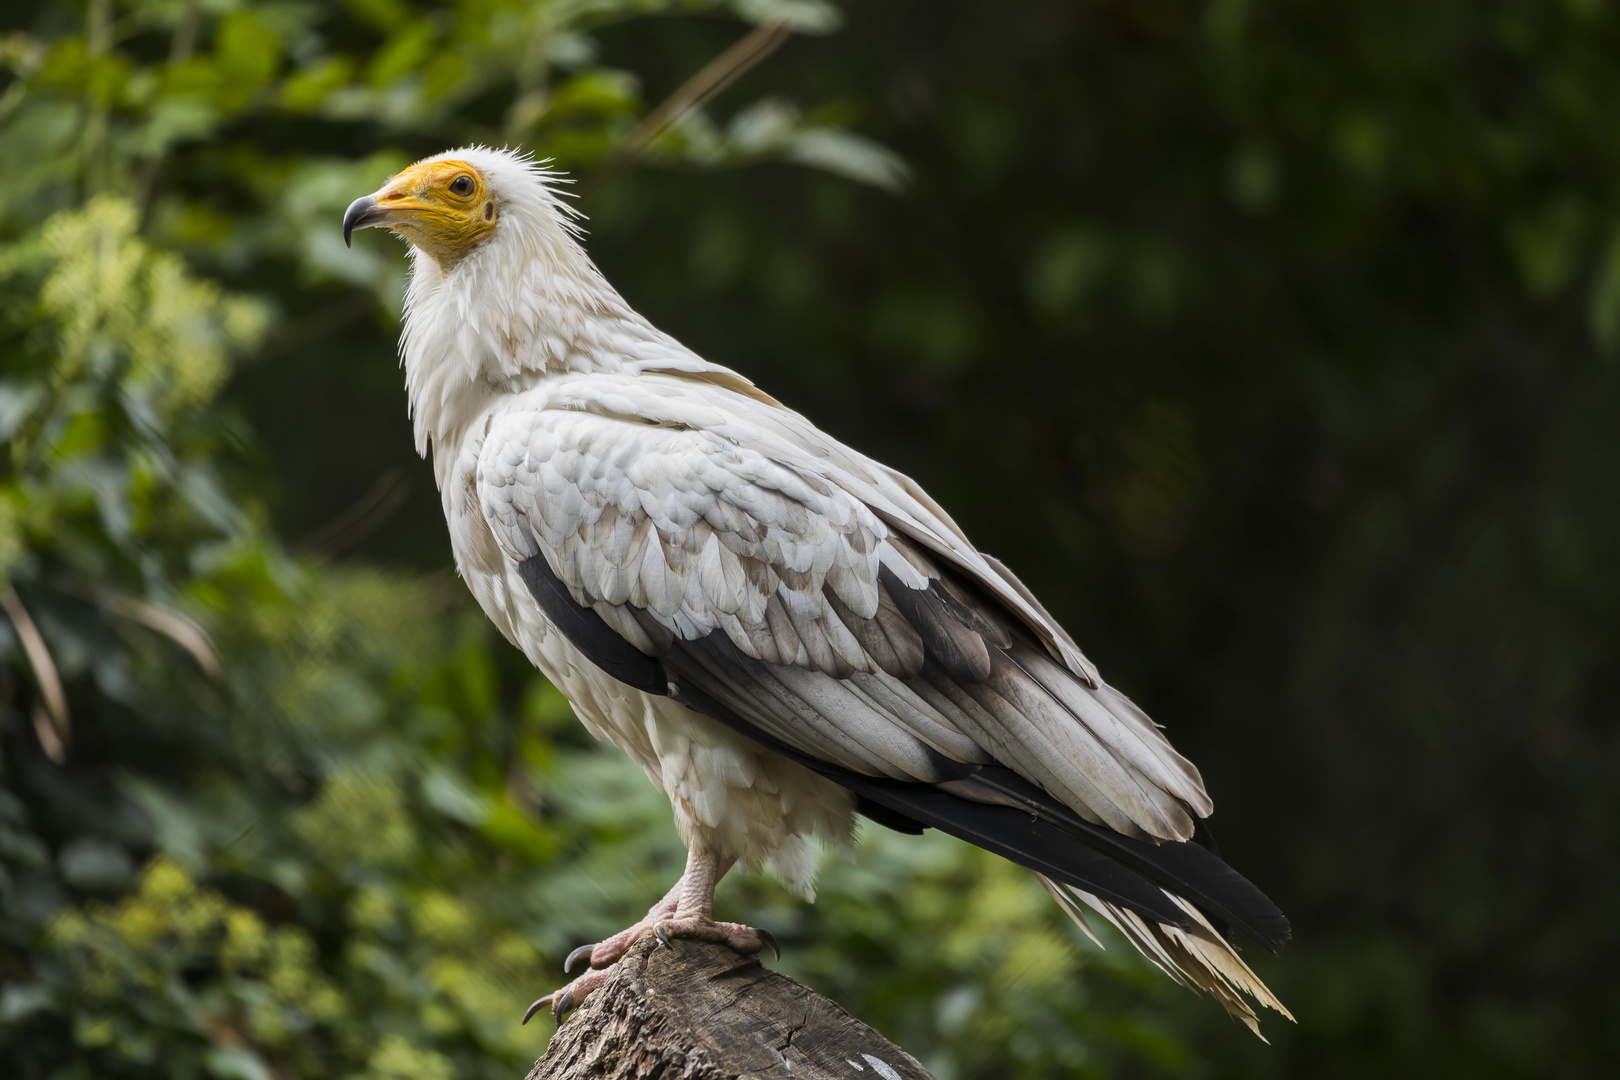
x=454, y=204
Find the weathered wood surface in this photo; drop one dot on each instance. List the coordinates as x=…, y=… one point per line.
x=702, y=1012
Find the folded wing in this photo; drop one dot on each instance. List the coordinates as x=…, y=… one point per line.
x=824, y=606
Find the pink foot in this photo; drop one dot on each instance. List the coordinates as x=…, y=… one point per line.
x=683, y=913
x=744, y=939
x=571, y=996
x=607, y=952
x=667, y=927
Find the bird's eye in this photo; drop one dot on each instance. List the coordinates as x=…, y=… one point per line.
x=462, y=185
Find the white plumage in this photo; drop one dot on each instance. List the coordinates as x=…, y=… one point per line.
x=832, y=630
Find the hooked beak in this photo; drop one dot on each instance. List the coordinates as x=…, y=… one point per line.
x=361, y=214
x=381, y=209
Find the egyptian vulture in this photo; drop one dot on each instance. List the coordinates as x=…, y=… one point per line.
x=782, y=632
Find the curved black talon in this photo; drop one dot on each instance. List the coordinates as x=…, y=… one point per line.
x=770, y=939
x=529, y=1013
x=583, y=950
x=663, y=938
x=565, y=1001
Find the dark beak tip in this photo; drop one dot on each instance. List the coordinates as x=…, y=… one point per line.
x=355, y=217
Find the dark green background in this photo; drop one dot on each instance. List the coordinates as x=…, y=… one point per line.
x=1218, y=325
x=1274, y=344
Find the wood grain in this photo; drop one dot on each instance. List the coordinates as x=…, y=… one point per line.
x=699, y=1011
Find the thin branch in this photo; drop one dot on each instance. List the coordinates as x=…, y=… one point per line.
x=702, y=88
x=51, y=720
x=165, y=620
x=364, y=517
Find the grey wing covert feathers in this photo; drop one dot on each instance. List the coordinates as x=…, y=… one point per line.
x=694, y=542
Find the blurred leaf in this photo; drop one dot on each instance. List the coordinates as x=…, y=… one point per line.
x=1549, y=246
x=1603, y=301
x=846, y=154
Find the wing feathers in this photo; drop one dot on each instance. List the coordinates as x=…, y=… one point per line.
x=1123, y=730
x=662, y=584
x=830, y=720
x=826, y=607
x=1029, y=755
x=835, y=614
x=953, y=645
x=857, y=716
x=765, y=703
x=823, y=593
x=891, y=643
x=901, y=704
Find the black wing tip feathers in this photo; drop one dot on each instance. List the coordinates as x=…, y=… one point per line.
x=888, y=818
x=1047, y=837
x=586, y=631
x=1190, y=868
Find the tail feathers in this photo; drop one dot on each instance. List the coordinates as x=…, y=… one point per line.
x=1196, y=957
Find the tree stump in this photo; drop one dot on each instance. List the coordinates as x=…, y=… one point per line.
x=699, y=1011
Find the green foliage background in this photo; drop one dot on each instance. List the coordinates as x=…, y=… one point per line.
x=1276, y=344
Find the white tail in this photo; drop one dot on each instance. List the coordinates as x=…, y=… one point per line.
x=1198, y=957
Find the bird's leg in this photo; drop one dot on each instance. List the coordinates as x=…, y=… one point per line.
x=693, y=916
x=687, y=910
x=606, y=953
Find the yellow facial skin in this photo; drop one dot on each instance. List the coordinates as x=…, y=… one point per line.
x=443, y=207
